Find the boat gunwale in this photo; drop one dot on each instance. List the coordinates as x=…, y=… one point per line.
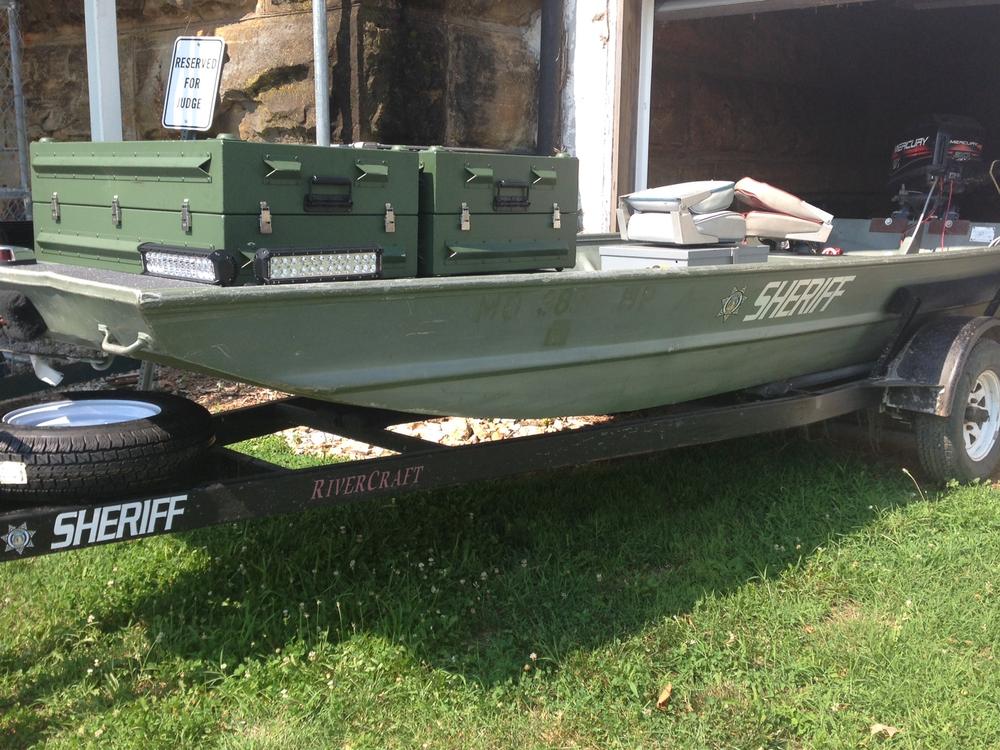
x=61, y=276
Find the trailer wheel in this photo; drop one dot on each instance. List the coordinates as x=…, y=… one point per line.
x=966, y=445
x=96, y=445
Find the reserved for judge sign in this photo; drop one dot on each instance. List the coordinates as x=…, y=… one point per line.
x=193, y=86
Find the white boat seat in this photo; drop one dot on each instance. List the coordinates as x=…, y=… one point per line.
x=782, y=226
x=684, y=228
x=688, y=213
x=701, y=197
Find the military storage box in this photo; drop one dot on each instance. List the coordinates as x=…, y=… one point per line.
x=99, y=203
x=483, y=212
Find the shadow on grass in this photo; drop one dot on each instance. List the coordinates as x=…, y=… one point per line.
x=475, y=579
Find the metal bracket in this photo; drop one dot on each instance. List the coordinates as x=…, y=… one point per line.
x=390, y=218
x=466, y=223
x=185, y=215
x=265, y=218
x=142, y=341
x=116, y=212
x=556, y=216
x=56, y=211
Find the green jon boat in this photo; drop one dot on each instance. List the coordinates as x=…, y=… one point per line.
x=580, y=341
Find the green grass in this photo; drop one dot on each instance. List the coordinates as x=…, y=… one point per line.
x=792, y=595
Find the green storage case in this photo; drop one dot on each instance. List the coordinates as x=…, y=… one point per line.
x=95, y=203
x=484, y=212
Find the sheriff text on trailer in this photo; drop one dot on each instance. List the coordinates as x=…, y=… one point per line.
x=113, y=522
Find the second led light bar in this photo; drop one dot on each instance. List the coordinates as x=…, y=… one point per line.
x=289, y=266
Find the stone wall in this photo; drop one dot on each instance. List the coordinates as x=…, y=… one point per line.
x=455, y=72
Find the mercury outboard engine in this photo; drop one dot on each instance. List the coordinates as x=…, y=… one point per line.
x=941, y=157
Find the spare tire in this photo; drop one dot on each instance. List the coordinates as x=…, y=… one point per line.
x=96, y=445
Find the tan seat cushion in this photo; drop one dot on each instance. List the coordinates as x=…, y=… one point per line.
x=759, y=195
x=785, y=227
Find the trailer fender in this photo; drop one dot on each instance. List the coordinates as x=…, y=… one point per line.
x=922, y=377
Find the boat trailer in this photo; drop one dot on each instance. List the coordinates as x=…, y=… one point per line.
x=244, y=488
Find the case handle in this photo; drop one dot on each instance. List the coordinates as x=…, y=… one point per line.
x=328, y=202
x=521, y=198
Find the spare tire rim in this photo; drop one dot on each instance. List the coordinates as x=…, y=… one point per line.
x=982, y=416
x=86, y=413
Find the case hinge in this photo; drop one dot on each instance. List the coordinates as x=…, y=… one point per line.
x=466, y=224
x=185, y=215
x=556, y=216
x=56, y=212
x=116, y=212
x=265, y=218
x=390, y=218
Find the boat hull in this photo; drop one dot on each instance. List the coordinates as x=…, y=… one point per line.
x=517, y=345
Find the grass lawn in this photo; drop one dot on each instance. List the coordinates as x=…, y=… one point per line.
x=791, y=594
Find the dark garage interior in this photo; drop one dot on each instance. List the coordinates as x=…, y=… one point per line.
x=814, y=100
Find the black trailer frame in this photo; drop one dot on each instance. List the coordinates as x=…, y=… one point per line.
x=246, y=488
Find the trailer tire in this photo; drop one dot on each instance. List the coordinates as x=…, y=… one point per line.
x=109, y=444
x=966, y=444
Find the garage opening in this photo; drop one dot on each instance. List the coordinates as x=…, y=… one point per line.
x=815, y=100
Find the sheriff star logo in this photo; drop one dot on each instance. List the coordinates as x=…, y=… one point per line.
x=731, y=304
x=18, y=538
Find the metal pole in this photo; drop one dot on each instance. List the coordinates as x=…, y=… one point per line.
x=645, y=94
x=147, y=376
x=321, y=70
x=102, y=70
x=548, y=76
x=21, y=126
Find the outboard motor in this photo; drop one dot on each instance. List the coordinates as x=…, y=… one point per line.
x=940, y=157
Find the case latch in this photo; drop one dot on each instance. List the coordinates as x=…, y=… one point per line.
x=556, y=216
x=116, y=212
x=265, y=218
x=56, y=212
x=390, y=218
x=466, y=223
x=185, y=215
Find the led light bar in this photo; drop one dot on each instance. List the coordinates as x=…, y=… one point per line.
x=291, y=266
x=215, y=267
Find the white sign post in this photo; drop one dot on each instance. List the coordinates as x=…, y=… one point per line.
x=193, y=86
